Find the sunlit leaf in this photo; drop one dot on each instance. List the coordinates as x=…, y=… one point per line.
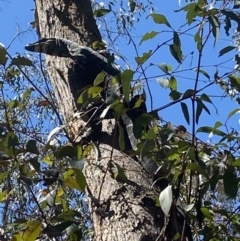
x=163, y=82
x=198, y=40
x=21, y=61
x=89, y=94
x=33, y=230
x=149, y=35
x=101, y=12
x=143, y=58
x=173, y=83
x=126, y=77
x=213, y=20
x=99, y=79
x=233, y=112
x=80, y=178
x=54, y=131
x=160, y=19
x=206, y=213
x=165, y=68
x=166, y=198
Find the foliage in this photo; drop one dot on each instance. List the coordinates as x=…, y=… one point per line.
x=41, y=178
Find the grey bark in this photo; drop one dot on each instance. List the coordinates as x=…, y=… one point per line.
x=124, y=211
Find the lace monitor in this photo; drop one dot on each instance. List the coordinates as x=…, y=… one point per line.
x=82, y=54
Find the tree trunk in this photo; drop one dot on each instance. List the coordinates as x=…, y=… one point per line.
x=124, y=211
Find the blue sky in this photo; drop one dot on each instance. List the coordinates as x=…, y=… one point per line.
x=15, y=14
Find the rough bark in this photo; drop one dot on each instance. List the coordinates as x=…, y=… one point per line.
x=124, y=211
x=71, y=20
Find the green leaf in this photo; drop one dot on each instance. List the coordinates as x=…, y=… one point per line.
x=196, y=167
x=198, y=40
x=69, y=181
x=183, y=146
x=176, y=40
x=99, y=79
x=132, y=5
x=160, y=19
x=236, y=163
x=206, y=213
x=163, y=82
x=230, y=183
x=202, y=72
x=98, y=45
x=79, y=151
x=214, y=180
x=208, y=129
x=3, y=176
x=175, y=95
x=141, y=122
x=80, y=178
x=3, y=196
x=11, y=140
x=213, y=20
x=165, y=68
x=233, y=112
x=233, y=16
x=149, y=35
x=66, y=151
x=144, y=58
x=34, y=162
x=176, y=52
x=89, y=94
x=119, y=174
x=200, y=107
x=21, y=61
x=33, y=230
x=13, y=104
x=193, y=10
x=101, y=12
x=3, y=58
x=185, y=112
x=68, y=215
x=204, y=97
x=226, y=50
x=166, y=199
x=151, y=135
x=235, y=82
x=126, y=78
x=31, y=147
x=173, y=83
x=110, y=97
x=188, y=93
x=217, y=124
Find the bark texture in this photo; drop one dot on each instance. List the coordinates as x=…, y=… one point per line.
x=71, y=20
x=120, y=211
